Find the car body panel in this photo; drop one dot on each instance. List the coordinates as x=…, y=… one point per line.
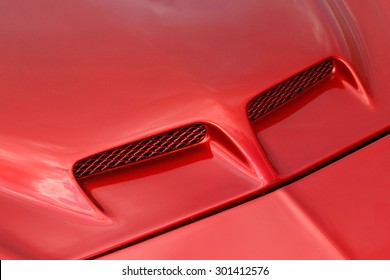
x=80, y=77
x=338, y=212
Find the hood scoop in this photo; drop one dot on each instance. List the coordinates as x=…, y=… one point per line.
x=288, y=89
x=140, y=150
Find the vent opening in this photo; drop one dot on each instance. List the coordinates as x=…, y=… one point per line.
x=140, y=150
x=286, y=90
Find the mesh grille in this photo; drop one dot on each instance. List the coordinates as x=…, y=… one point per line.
x=287, y=89
x=140, y=150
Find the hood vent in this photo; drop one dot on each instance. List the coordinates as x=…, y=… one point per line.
x=140, y=150
x=286, y=90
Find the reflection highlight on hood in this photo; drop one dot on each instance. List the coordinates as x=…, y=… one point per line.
x=32, y=170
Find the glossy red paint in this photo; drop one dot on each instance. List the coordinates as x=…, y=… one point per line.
x=81, y=77
x=338, y=212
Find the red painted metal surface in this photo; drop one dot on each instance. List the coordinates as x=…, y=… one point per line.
x=80, y=77
x=338, y=212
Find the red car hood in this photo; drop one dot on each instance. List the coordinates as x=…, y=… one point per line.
x=80, y=77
